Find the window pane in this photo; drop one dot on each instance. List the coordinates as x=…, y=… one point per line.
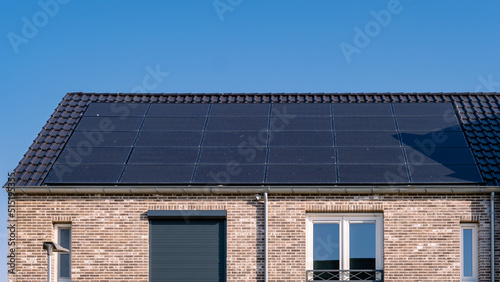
x=326, y=246
x=64, y=266
x=467, y=252
x=64, y=238
x=362, y=245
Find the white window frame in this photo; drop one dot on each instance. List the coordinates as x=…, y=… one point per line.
x=344, y=219
x=57, y=228
x=475, y=276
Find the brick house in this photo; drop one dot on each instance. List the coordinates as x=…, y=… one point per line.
x=261, y=187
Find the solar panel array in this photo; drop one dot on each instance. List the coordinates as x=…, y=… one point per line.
x=397, y=143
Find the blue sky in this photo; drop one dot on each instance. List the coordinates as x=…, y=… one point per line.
x=51, y=47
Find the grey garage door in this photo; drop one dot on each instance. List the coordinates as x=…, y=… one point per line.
x=187, y=250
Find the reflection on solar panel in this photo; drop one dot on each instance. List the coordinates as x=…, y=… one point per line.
x=267, y=143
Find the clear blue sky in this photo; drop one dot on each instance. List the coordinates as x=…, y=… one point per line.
x=50, y=49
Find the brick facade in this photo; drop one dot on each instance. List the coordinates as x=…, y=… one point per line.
x=110, y=233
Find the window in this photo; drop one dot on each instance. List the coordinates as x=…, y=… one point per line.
x=344, y=247
x=187, y=245
x=468, y=252
x=63, y=260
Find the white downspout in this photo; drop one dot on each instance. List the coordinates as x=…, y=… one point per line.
x=492, y=210
x=265, y=238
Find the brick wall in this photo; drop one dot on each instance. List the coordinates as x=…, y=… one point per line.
x=110, y=233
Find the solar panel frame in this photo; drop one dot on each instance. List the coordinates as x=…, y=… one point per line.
x=240, y=110
x=301, y=174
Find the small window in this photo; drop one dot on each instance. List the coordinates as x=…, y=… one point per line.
x=468, y=252
x=344, y=247
x=63, y=260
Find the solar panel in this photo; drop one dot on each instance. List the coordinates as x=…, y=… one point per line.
x=137, y=174
x=106, y=124
x=433, y=139
x=301, y=124
x=237, y=124
x=116, y=109
x=302, y=155
x=301, y=139
x=84, y=173
x=178, y=110
x=94, y=155
x=428, y=124
x=235, y=139
x=440, y=156
x=370, y=155
x=232, y=155
x=364, y=123
x=290, y=111
x=266, y=144
x=424, y=109
x=367, y=138
x=240, y=110
x=373, y=173
x=445, y=174
x=103, y=139
x=168, y=139
x=229, y=173
x=163, y=155
x=173, y=124
x=362, y=110
x=301, y=174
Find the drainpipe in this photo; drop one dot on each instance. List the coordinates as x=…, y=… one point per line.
x=265, y=237
x=492, y=210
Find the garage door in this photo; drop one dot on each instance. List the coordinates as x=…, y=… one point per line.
x=187, y=248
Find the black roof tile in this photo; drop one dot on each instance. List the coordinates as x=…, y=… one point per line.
x=478, y=113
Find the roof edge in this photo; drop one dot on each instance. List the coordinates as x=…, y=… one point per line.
x=134, y=190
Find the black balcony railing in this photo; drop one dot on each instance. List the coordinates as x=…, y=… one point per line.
x=345, y=275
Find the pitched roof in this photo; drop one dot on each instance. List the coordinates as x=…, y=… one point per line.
x=479, y=114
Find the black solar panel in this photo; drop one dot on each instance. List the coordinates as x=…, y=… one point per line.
x=301, y=124
x=301, y=174
x=266, y=144
x=370, y=155
x=233, y=155
x=240, y=110
x=173, y=124
x=157, y=174
x=103, y=139
x=168, y=139
x=373, y=173
x=237, y=124
x=84, y=173
x=444, y=110
x=367, y=138
x=433, y=139
x=290, y=111
x=178, y=110
x=229, y=173
x=116, y=109
x=302, y=155
x=106, y=124
x=364, y=123
x=301, y=139
x=428, y=124
x=372, y=110
x=164, y=155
